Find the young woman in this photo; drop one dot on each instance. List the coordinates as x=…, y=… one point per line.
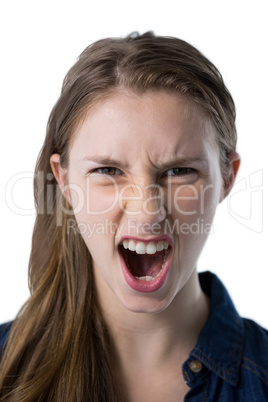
x=141, y=148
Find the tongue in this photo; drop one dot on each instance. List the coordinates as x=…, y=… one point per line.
x=145, y=264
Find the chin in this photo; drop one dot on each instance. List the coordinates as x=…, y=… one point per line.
x=146, y=304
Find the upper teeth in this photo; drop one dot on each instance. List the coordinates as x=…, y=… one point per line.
x=145, y=248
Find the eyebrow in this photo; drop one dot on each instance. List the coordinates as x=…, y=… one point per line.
x=176, y=161
x=106, y=161
x=181, y=160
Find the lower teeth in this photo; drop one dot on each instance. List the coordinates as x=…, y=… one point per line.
x=145, y=278
x=148, y=278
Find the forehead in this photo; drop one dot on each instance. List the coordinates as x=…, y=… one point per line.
x=160, y=123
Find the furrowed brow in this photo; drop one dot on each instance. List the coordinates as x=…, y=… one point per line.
x=182, y=161
x=103, y=160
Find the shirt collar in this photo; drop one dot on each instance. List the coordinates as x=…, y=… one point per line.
x=219, y=345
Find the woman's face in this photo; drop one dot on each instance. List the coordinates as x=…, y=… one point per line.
x=145, y=181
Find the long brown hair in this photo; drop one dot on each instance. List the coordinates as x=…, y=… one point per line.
x=59, y=348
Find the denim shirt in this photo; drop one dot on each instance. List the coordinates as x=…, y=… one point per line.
x=230, y=360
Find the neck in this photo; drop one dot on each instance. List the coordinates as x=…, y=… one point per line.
x=154, y=339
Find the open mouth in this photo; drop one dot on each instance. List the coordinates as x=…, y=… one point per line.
x=145, y=260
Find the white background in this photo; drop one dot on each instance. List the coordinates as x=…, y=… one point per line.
x=40, y=40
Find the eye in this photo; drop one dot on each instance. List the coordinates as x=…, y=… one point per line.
x=108, y=170
x=179, y=171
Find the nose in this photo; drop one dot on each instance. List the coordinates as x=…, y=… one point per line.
x=145, y=204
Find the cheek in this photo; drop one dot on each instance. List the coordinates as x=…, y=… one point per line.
x=93, y=200
x=192, y=202
x=97, y=235
x=185, y=201
x=98, y=223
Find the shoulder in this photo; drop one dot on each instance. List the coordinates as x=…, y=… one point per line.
x=254, y=360
x=4, y=332
x=237, y=347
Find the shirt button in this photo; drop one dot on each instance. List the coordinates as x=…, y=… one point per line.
x=195, y=366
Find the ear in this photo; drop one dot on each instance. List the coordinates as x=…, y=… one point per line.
x=234, y=161
x=61, y=176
